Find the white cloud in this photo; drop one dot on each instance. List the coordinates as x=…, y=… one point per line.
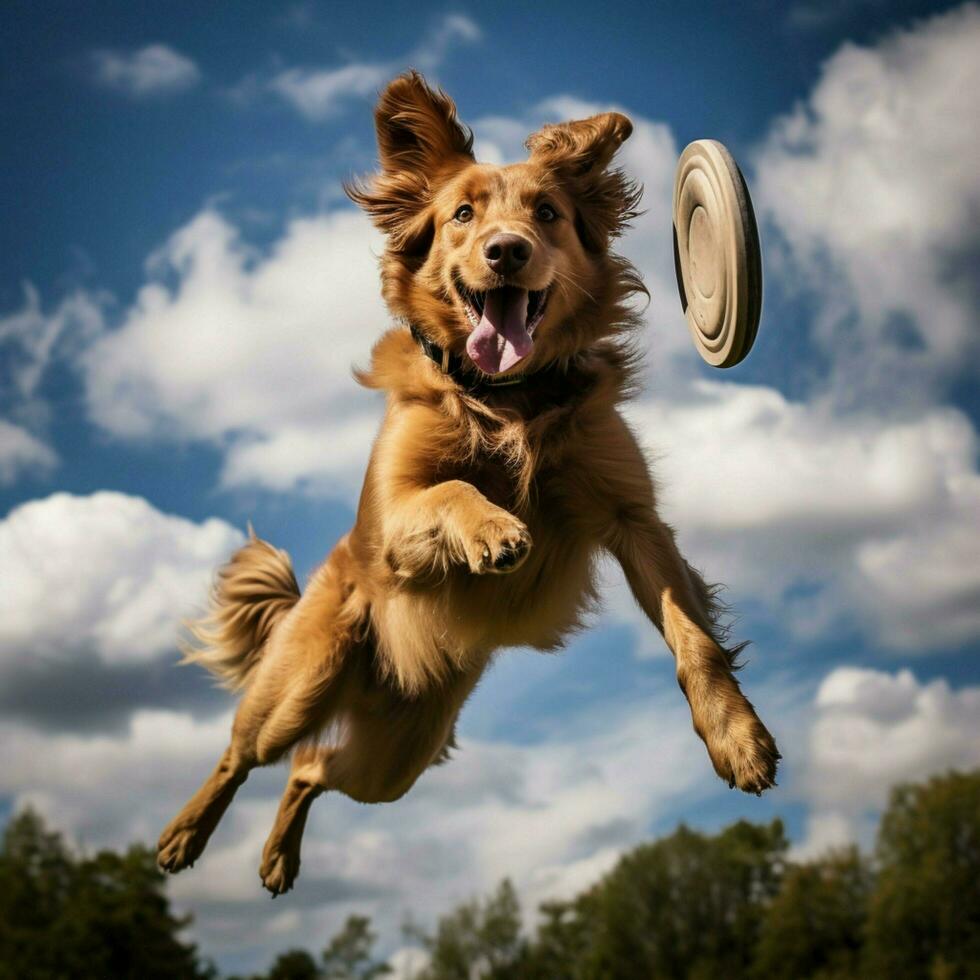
x=252, y=352
x=21, y=453
x=78, y=787
x=31, y=339
x=319, y=93
x=872, y=730
x=30, y=342
x=106, y=574
x=437, y=46
x=154, y=70
x=771, y=495
x=923, y=581
x=874, y=185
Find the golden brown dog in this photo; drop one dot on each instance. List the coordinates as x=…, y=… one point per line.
x=502, y=470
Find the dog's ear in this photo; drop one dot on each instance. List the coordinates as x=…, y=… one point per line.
x=418, y=129
x=420, y=142
x=579, y=153
x=583, y=146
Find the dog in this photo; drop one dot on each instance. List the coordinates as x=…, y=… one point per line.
x=501, y=471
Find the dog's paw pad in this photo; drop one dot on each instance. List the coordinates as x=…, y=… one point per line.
x=500, y=545
x=511, y=556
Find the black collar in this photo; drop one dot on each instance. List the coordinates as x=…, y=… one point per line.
x=452, y=365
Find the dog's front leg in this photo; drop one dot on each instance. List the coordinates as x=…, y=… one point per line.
x=452, y=524
x=677, y=601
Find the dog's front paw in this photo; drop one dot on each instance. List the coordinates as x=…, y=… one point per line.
x=497, y=543
x=742, y=751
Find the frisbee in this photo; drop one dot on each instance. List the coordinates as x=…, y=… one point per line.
x=716, y=253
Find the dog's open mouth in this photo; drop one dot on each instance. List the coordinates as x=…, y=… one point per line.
x=503, y=323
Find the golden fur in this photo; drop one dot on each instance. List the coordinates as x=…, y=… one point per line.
x=483, y=511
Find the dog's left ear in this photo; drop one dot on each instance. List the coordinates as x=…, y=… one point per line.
x=420, y=142
x=580, y=153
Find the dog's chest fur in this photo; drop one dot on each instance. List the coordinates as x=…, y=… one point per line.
x=522, y=449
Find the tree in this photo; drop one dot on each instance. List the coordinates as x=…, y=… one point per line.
x=294, y=964
x=925, y=913
x=102, y=916
x=814, y=927
x=561, y=940
x=690, y=905
x=477, y=940
x=348, y=957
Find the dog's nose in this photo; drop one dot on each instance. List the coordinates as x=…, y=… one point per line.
x=506, y=253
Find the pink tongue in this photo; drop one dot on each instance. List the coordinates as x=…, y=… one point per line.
x=501, y=338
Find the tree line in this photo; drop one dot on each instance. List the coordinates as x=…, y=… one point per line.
x=692, y=905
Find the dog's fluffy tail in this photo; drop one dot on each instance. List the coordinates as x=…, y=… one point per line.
x=250, y=595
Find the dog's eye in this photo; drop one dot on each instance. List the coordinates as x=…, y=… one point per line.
x=463, y=214
x=545, y=212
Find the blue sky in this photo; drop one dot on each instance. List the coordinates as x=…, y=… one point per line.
x=183, y=289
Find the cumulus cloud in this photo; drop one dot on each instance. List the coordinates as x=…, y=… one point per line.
x=872, y=730
x=319, y=93
x=251, y=351
x=94, y=589
x=877, y=520
x=154, y=70
x=872, y=184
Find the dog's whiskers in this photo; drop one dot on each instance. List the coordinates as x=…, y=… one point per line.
x=567, y=277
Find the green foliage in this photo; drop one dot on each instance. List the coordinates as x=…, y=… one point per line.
x=65, y=915
x=814, y=927
x=294, y=964
x=477, y=940
x=925, y=911
x=561, y=942
x=348, y=957
x=691, y=906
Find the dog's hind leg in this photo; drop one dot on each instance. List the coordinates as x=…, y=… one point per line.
x=185, y=837
x=385, y=743
x=308, y=778
x=289, y=696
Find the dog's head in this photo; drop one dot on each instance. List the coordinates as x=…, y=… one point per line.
x=509, y=264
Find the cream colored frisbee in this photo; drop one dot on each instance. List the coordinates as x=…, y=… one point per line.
x=716, y=253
